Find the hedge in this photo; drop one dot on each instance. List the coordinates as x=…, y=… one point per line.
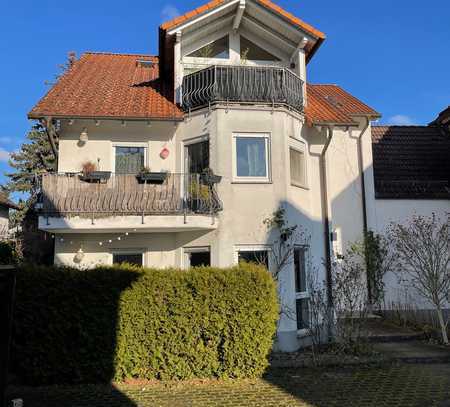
x=113, y=323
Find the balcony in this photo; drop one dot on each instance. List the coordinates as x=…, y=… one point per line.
x=242, y=84
x=181, y=201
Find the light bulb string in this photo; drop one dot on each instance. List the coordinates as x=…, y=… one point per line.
x=101, y=242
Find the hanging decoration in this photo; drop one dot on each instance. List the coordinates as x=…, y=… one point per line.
x=164, y=153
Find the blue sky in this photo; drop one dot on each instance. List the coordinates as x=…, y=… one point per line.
x=391, y=54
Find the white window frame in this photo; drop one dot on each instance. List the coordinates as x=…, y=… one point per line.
x=300, y=147
x=197, y=249
x=127, y=251
x=253, y=248
x=252, y=180
x=129, y=144
x=302, y=295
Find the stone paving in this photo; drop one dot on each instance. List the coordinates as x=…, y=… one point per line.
x=406, y=385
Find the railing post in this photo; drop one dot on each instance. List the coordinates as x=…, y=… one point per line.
x=185, y=192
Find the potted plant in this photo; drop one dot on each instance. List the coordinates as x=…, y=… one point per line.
x=199, y=196
x=146, y=175
x=209, y=178
x=90, y=173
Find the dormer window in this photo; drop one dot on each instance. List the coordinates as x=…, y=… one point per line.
x=217, y=49
x=252, y=52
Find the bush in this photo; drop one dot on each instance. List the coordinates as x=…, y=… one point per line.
x=74, y=326
x=7, y=252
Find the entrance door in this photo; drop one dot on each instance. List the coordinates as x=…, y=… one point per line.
x=196, y=157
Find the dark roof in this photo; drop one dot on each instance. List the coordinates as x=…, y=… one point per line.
x=411, y=162
x=105, y=85
x=5, y=202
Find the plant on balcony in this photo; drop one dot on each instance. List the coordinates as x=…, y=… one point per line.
x=198, y=195
x=90, y=173
x=209, y=178
x=146, y=175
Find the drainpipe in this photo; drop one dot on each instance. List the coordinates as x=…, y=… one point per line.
x=361, y=174
x=48, y=126
x=325, y=215
x=364, y=207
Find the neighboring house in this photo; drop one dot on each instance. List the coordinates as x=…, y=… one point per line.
x=228, y=92
x=5, y=206
x=411, y=166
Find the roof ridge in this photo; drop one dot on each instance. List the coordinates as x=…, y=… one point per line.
x=118, y=54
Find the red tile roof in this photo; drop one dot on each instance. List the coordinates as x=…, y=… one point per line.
x=108, y=85
x=265, y=3
x=411, y=162
x=330, y=104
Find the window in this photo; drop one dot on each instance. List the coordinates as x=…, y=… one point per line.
x=134, y=259
x=252, y=157
x=298, y=167
x=197, y=256
x=218, y=49
x=197, y=157
x=301, y=288
x=252, y=52
x=302, y=308
x=254, y=256
x=129, y=160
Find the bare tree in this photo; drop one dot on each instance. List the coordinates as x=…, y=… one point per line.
x=422, y=248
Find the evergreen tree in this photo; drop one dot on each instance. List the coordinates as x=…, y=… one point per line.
x=34, y=158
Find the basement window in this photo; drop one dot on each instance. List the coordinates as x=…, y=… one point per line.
x=134, y=259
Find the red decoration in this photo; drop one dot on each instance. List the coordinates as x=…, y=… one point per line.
x=164, y=153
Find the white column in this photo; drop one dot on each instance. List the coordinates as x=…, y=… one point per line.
x=299, y=59
x=235, y=48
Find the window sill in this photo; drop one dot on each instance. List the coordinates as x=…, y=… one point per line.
x=303, y=333
x=301, y=186
x=251, y=181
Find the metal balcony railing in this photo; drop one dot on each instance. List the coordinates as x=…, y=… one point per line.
x=64, y=195
x=244, y=84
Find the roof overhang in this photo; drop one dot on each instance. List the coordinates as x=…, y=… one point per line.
x=262, y=16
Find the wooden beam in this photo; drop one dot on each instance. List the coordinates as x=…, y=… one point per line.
x=239, y=13
x=50, y=130
x=202, y=17
x=301, y=45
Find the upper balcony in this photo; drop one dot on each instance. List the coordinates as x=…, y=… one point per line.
x=123, y=201
x=242, y=84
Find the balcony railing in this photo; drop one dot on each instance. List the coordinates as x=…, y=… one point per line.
x=242, y=84
x=64, y=195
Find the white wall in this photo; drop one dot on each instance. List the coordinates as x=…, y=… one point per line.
x=389, y=211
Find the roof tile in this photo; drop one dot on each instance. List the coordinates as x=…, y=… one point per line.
x=411, y=162
x=108, y=85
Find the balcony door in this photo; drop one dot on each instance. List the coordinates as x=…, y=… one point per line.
x=196, y=156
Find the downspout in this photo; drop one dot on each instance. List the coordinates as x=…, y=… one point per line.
x=48, y=126
x=325, y=216
x=364, y=208
x=361, y=174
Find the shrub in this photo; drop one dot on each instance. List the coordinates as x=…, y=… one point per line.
x=7, y=252
x=75, y=326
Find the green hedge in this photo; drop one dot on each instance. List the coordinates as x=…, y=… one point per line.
x=75, y=326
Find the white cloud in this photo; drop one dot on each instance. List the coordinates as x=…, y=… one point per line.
x=401, y=120
x=4, y=155
x=5, y=140
x=169, y=12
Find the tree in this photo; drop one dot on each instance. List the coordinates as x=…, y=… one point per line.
x=34, y=158
x=422, y=251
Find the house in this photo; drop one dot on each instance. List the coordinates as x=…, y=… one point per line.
x=5, y=206
x=228, y=93
x=411, y=171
